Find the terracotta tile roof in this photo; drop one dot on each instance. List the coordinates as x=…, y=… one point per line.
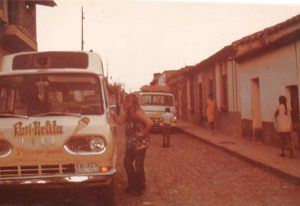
x=269, y=30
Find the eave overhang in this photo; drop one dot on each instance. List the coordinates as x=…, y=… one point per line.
x=268, y=39
x=42, y=2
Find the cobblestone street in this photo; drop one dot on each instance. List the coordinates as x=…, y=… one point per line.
x=194, y=173
x=190, y=173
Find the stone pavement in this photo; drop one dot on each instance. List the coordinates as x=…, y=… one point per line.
x=254, y=152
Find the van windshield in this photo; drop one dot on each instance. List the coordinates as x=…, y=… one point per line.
x=57, y=93
x=159, y=100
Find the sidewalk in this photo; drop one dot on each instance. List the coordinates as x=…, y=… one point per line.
x=257, y=153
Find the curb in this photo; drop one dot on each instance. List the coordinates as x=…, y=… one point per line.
x=268, y=168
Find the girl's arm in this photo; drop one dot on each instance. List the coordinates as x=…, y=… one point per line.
x=276, y=113
x=216, y=107
x=140, y=114
x=119, y=119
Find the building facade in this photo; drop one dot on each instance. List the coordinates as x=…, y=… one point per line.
x=246, y=79
x=268, y=66
x=18, y=25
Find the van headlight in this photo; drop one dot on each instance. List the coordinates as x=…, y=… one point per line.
x=174, y=118
x=5, y=148
x=83, y=145
x=97, y=144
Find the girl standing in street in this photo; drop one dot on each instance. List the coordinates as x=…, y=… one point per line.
x=167, y=119
x=211, y=108
x=284, y=126
x=137, y=126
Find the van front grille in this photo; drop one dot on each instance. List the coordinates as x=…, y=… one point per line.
x=156, y=119
x=36, y=170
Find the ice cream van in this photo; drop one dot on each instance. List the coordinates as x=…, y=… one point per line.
x=55, y=125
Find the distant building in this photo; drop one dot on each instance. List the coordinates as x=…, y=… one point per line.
x=178, y=82
x=161, y=78
x=18, y=25
x=155, y=78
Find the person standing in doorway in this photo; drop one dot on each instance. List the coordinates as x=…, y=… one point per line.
x=211, y=108
x=167, y=119
x=284, y=126
x=137, y=126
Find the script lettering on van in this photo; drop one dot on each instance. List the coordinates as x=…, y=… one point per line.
x=37, y=129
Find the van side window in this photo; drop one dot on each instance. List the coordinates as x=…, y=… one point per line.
x=146, y=100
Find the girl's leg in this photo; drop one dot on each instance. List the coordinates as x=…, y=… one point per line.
x=282, y=143
x=290, y=145
x=164, y=137
x=212, y=127
x=130, y=171
x=140, y=171
x=168, y=136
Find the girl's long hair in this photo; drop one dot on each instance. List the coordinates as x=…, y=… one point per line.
x=135, y=105
x=282, y=100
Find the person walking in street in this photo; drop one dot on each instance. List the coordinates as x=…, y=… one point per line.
x=211, y=108
x=283, y=121
x=167, y=119
x=137, y=126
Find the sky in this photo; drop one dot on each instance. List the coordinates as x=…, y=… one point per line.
x=136, y=39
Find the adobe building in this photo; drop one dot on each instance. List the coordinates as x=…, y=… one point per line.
x=268, y=66
x=246, y=79
x=18, y=25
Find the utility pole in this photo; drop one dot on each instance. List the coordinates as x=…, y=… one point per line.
x=82, y=18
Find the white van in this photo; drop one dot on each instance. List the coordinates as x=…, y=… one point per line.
x=55, y=127
x=154, y=100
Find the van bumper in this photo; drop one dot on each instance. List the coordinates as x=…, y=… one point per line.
x=57, y=181
x=160, y=124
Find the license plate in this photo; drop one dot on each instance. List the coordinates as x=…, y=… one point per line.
x=87, y=166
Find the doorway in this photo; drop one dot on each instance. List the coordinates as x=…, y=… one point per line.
x=256, y=109
x=294, y=97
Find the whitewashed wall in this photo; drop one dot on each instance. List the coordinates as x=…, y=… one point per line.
x=275, y=70
x=232, y=84
x=217, y=69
